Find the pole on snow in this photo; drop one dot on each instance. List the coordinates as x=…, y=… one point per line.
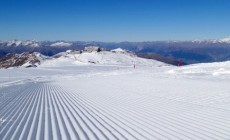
x=179, y=62
x=134, y=65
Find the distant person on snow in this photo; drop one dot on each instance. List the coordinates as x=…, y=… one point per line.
x=179, y=63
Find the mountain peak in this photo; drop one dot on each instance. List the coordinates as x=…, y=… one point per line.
x=16, y=43
x=225, y=40
x=61, y=44
x=118, y=50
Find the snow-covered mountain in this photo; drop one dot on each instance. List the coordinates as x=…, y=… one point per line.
x=102, y=58
x=225, y=40
x=61, y=44
x=214, y=41
x=114, y=57
x=27, y=59
x=17, y=43
x=33, y=43
x=119, y=50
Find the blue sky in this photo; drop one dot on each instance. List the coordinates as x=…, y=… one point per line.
x=114, y=20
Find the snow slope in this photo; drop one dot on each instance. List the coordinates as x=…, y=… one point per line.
x=103, y=58
x=100, y=101
x=218, y=69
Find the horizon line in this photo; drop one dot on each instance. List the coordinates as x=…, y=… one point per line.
x=169, y=40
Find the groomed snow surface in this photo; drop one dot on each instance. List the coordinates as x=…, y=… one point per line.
x=97, y=101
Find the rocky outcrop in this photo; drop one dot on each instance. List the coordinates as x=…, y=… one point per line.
x=27, y=59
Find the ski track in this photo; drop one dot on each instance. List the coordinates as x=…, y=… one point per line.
x=52, y=110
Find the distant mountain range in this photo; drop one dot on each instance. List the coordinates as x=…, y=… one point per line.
x=188, y=51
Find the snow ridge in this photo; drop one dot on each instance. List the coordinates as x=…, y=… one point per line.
x=101, y=58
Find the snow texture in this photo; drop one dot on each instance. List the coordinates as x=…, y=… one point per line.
x=112, y=100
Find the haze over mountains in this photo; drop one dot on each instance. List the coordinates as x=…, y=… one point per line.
x=188, y=51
